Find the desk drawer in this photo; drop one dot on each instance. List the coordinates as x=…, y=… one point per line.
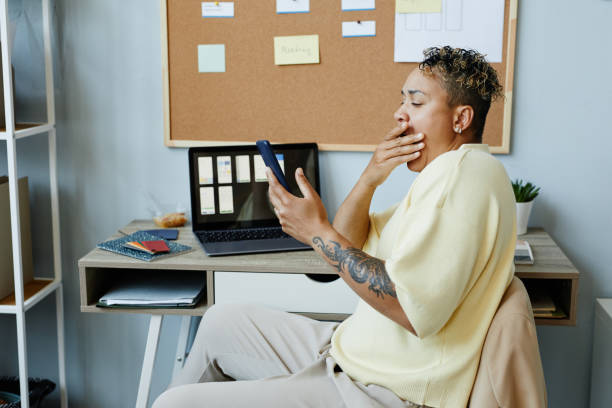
x=285, y=291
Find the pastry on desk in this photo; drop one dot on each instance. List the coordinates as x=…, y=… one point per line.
x=170, y=220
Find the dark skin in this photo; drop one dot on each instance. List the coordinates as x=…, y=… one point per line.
x=426, y=127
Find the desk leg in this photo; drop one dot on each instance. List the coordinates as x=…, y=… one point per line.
x=181, y=345
x=149, y=359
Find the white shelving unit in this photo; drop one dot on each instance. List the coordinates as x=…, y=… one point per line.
x=29, y=295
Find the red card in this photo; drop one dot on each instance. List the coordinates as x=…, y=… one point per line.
x=156, y=246
x=137, y=246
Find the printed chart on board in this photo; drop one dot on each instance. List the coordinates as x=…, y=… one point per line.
x=475, y=24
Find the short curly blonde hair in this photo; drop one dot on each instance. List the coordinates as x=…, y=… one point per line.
x=467, y=78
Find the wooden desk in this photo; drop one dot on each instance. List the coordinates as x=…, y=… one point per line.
x=99, y=269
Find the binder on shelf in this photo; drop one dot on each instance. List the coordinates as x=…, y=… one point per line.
x=161, y=289
x=7, y=284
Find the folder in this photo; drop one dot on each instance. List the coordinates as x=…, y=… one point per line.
x=156, y=289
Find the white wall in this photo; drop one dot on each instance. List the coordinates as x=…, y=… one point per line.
x=110, y=134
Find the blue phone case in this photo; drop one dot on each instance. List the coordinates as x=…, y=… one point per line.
x=269, y=158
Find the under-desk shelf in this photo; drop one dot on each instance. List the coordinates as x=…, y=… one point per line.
x=100, y=280
x=552, y=273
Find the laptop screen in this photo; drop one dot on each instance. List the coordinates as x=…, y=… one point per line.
x=229, y=187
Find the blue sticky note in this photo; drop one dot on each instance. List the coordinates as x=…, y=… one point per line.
x=211, y=58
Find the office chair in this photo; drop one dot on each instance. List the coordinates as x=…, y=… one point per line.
x=510, y=371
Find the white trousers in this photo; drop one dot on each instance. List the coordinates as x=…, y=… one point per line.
x=251, y=356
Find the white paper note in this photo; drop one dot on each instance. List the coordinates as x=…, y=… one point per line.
x=260, y=168
x=207, y=200
x=352, y=5
x=292, y=6
x=205, y=170
x=224, y=169
x=474, y=24
x=359, y=28
x=226, y=200
x=218, y=9
x=433, y=21
x=243, y=169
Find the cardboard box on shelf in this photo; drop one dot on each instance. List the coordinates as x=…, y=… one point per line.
x=6, y=248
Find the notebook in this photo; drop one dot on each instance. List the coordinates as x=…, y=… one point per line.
x=231, y=213
x=167, y=234
x=118, y=246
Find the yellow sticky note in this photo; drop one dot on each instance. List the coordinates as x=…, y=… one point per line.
x=296, y=49
x=418, y=6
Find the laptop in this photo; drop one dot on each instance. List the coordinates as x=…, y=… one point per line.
x=230, y=209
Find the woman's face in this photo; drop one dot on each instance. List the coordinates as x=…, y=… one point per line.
x=425, y=109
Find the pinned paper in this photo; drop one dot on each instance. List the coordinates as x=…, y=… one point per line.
x=292, y=6
x=418, y=6
x=296, y=49
x=211, y=58
x=459, y=25
x=359, y=28
x=218, y=9
x=353, y=5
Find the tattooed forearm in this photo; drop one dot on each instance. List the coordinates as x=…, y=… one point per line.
x=362, y=267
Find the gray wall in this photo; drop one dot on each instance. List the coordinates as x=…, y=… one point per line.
x=109, y=113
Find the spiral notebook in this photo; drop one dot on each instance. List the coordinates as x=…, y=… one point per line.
x=118, y=246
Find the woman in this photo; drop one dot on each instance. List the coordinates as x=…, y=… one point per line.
x=430, y=271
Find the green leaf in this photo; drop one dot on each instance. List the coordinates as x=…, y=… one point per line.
x=524, y=192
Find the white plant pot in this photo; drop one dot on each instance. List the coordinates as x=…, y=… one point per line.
x=522, y=216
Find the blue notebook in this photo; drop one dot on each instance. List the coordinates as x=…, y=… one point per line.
x=167, y=234
x=117, y=246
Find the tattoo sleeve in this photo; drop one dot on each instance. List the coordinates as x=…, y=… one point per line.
x=362, y=267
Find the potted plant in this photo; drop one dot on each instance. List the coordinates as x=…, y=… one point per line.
x=524, y=193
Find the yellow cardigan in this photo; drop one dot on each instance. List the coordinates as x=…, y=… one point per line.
x=449, y=249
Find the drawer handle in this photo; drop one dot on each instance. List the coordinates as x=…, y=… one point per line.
x=322, y=277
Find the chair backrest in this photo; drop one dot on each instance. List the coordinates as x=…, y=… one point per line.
x=510, y=372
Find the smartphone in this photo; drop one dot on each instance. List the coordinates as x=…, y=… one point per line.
x=269, y=158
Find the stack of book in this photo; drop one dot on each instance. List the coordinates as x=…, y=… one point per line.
x=543, y=305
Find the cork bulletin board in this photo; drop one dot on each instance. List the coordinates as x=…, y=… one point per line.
x=346, y=102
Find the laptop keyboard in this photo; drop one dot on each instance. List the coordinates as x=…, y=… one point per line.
x=241, y=234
